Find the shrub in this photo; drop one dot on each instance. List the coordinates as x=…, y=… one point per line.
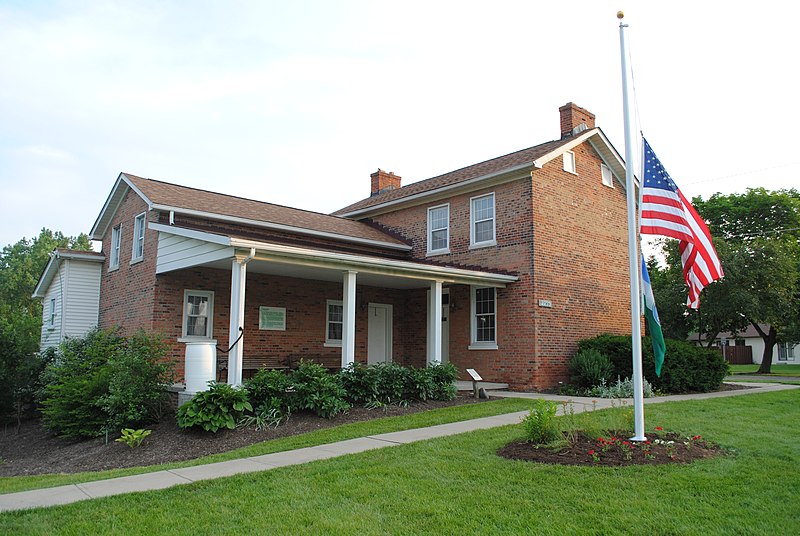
x=539, y=424
x=269, y=388
x=359, y=383
x=420, y=384
x=392, y=383
x=621, y=389
x=133, y=438
x=20, y=365
x=590, y=367
x=443, y=375
x=317, y=390
x=222, y=406
x=687, y=368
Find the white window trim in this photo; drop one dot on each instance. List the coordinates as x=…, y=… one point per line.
x=485, y=243
x=210, y=295
x=332, y=343
x=136, y=239
x=574, y=162
x=441, y=251
x=113, y=260
x=473, y=323
x=603, y=169
x=51, y=322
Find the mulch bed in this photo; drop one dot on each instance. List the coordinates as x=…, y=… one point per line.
x=35, y=451
x=615, y=451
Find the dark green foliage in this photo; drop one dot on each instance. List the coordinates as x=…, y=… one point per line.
x=589, y=368
x=360, y=383
x=20, y=366
x=269, y=388
x=687, y=368
x=103, y=382
x=391, y=383
x=443, y=375
x=317, y=390
x=222, y=406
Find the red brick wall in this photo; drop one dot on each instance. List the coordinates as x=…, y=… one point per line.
x=126, y=294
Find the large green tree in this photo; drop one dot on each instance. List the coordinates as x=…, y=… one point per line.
x=21, y=264
x=757, y=236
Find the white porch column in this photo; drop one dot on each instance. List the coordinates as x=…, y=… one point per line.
x=349, y=311
x=235, y=343
x=435, y=323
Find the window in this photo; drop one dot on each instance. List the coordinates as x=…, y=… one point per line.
x=198, y=314
x=607, y=177
x=439, y=229
x=484, y=318
x=785, y=351
x=52, y=321
x=138, y=238
x=482, y=227
x=334, y=323
x=569, y=162
x=113, y=262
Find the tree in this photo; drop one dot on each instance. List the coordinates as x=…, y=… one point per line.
x=757, y=236
x=21, y=265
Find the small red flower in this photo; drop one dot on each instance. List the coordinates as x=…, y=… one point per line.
x=591, y=453
x=697, y=437
x=659, y=429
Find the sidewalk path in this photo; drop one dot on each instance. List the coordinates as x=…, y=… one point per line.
x=172, y=477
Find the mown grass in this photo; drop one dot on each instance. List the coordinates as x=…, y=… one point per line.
x=310, y=439
x=457, y=485
x=777, y=370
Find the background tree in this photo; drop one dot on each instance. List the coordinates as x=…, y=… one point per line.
x=21, y=265
x=757, y=236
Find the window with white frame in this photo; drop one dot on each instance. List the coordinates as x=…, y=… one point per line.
x=52, y=321
x=569, y=161
x=334, y=323
x=484, y=318
x=482, y=221
x=138, y=238
x=439, y=229
x=607, y=177
x=785, y=351
x=198, y=314
x=116, y=238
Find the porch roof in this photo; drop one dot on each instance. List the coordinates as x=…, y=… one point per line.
x=181, y=248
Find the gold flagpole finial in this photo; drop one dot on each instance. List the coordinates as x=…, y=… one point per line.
x=620, y=15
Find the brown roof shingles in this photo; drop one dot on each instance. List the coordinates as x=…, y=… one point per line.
x=495, y=165
x=182, y=197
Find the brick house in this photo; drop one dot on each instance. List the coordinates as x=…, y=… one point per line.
x=501, y=266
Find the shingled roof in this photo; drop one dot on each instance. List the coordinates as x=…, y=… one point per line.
x=489, y=167
x=182, y=199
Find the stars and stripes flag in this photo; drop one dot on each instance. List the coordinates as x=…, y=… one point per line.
x=666, y=212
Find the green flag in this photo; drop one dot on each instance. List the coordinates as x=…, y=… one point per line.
x=653, y=323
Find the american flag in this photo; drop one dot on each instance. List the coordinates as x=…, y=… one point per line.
x=666, y=212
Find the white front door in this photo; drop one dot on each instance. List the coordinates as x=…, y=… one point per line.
x=379, y=334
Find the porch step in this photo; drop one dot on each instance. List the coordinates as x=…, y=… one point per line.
x=489, y=386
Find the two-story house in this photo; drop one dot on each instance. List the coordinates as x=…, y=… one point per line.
x=502, y=266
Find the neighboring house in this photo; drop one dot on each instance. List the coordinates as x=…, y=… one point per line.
x=70, y=292
x=747, y=346
x=501, y=266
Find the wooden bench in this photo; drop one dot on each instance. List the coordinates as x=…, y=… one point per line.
x=332, y=363
x=251, y=365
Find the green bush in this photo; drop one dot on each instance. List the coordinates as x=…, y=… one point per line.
x=589, y=367
x=317, y=390
x=222, y=406
x=20, y=365
x=621, y=389
x=392, y=383
x=269, y=388
x=443, y=375
x=359, y=383
x=104, y=382
x=539, y=425
x=687, y=368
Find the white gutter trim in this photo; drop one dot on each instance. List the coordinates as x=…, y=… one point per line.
x=464, y=184
x=281, y=227
x=382, y=265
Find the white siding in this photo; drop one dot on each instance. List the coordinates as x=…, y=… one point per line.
x=82, y=297
x=176, y=252
x=51, y=334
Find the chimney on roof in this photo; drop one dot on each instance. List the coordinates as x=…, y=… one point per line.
x=383, y=182
x=574, y=119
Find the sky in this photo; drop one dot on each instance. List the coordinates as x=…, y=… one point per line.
x=296, y=103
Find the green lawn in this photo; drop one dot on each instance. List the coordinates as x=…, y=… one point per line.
x=778, y=370
x=320, y=437
x=457, y=485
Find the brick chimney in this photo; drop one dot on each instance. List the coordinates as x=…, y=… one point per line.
x=383, y=182
x=572, y=117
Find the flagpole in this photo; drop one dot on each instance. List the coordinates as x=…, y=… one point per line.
x=633, y=249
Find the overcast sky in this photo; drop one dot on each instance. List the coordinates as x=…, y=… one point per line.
x=298, y=102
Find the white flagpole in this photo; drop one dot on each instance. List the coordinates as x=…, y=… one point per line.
x=633, y=249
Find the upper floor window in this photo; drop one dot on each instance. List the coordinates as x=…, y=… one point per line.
x=334, y=323
x=52, y=320
x=607, y=177
x=484, y=318
x=569, y=161
x=198, y=314
x=138, y=238
x=116, y=238
x=439, y=229
x=482, y=221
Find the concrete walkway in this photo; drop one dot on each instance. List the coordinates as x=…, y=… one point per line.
x=172, y=477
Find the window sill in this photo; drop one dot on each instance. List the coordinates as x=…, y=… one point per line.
x=480, y=245
x=438, y=252
x=197, y=339
x=332, y=344
x=570, y=172
x=113, y=268
x=482, y=346
x=137, y=261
